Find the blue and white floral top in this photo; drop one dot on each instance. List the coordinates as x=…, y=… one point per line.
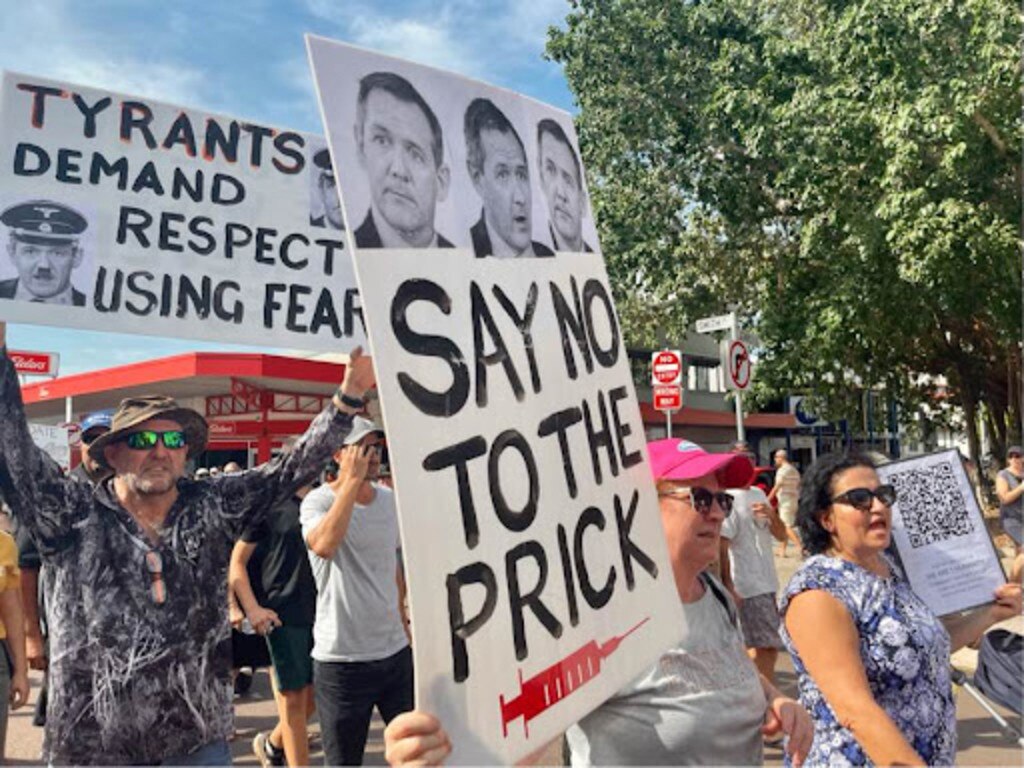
x=905, y=651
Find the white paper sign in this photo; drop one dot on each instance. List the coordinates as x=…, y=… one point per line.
x=126, y=214
x=54, y=441
x=538, y=574
x=939, y=533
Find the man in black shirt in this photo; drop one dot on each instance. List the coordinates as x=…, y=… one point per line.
x=271, y=578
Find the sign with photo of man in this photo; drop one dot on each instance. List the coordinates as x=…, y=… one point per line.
x=121, y=213
x=445, y=163
x=538, y=574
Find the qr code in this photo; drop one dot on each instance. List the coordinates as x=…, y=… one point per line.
x=931, y=504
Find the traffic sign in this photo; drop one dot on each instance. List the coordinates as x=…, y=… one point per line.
x=667, y=397
x=737, y=364
x=666, y=367
x=34, y=363
x=716, y=323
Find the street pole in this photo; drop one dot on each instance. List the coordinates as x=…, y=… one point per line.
x=741, y=434
x=68, y=411
x=668, y=423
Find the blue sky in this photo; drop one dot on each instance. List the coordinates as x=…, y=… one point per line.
x=247, y=58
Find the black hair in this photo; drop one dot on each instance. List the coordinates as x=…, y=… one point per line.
x=402, y=90
x=816, y=497
x=554, y=130
x=482, y=114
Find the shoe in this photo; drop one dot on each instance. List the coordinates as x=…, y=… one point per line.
x=243, y=682
x=265, y=751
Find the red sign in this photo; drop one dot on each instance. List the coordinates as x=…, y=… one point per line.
x=34, y=363
x=666, y=367
x=738, y=365
x=667, y=398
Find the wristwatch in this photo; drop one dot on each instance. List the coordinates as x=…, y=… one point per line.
x=351, y=402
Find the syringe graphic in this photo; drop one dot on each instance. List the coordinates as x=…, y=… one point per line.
x=549, y=686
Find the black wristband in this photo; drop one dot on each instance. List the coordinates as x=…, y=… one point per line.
x=351, y=402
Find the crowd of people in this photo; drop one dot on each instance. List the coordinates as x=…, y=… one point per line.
x=156, y=583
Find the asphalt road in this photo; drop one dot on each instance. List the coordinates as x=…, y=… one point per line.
x=981, y=742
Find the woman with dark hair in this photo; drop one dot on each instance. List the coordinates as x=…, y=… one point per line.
x=872, y=660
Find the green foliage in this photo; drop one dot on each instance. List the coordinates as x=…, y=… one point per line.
x=847, y=172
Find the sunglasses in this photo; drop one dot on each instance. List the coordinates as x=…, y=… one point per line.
x=155, y=566
x=863, y=498
x=1013, y=455
x=702, y=499
x=173, y=439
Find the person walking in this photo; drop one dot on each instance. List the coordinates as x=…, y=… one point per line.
x=272, y=581
x=787, y=491
x=139, y=640
x=1010, y=490
x=748, y=569
x=361, y=654
x=872, y=661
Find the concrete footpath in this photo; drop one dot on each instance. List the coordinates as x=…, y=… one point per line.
x=981, y=742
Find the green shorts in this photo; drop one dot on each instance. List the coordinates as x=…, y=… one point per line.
x=289, y=651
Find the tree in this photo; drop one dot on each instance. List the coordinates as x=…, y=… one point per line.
x=846, y=171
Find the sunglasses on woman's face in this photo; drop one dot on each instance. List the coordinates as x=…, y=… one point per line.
x=173, y=439
x=702, y=498
x=863, y=498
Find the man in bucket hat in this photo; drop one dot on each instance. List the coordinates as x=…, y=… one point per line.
x=140, y=665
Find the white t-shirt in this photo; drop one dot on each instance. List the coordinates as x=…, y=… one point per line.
x=750, y=546
x=357, y=616
x=701, y=704
x=787, y=480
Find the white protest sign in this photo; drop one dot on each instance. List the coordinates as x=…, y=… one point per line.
x=939, y=533
x=54, y=442
x=539, y=580
x=126, y=214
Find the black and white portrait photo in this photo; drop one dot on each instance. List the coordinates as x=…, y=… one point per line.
x=44, y=248
x=324, y=203
x=449, y=162
x=400, y=147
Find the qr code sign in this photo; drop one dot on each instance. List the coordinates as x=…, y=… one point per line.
x=931, y=504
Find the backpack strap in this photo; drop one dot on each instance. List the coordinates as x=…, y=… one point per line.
x=718, y=591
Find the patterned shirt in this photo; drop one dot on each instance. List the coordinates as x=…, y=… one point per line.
x=905, y=651
x=133, y=681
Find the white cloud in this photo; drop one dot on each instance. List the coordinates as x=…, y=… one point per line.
x=76, y=52
x=485, y=40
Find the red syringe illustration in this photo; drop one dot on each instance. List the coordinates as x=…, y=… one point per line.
x=551, y=685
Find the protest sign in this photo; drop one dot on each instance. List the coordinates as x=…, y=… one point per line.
x=54, y=442
x=539, y=580
x=126, y=214
x=940, y=534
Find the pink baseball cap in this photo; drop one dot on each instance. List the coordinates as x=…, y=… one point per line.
x=677, y=459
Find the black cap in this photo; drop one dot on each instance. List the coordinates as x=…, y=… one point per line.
x=322, y=159
x=44, y=221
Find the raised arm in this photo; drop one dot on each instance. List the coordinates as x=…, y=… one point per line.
x=827, y=642
x=1007, y=496
x=249, y=496
x=31, y=483
x=326, y=536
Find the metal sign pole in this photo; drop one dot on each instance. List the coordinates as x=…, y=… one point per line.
x=741, y=434
x=668, y=423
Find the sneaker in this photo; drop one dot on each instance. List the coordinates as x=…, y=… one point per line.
x=265, y=751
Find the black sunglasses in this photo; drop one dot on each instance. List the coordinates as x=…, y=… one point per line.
x=173, y=439
x=702, y=498
x=1013, y=455
x=862, y=498
x=157, y=587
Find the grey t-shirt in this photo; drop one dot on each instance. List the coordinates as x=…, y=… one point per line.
x=1015, y=510
x=357, y=617
x=700, y=704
